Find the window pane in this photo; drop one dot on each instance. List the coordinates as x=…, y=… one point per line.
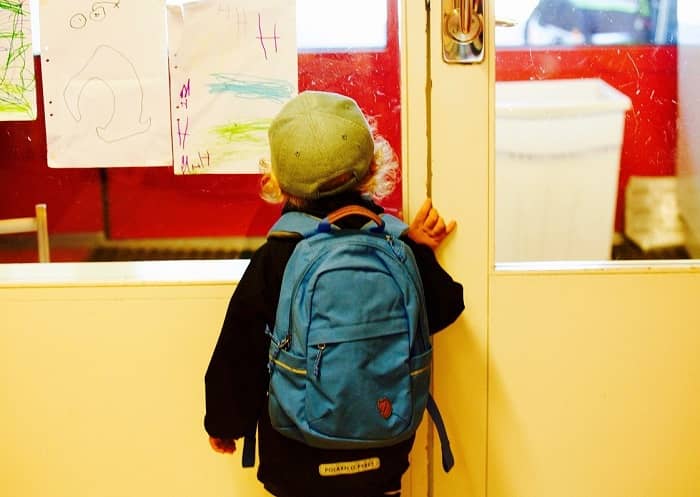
x=585, y=22
x=324, y=25
x=590, y=151
x=139, y=213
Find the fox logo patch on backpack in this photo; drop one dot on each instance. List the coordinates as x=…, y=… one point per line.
x=350, y=352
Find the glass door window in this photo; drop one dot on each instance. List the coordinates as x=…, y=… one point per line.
x=594, y=130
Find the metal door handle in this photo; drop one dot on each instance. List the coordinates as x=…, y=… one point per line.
x=468, y=9
x=462, y=31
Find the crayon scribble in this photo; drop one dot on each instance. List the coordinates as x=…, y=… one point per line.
x=182, y=118
x=240, y=141
x=262, y=38
x=17, y=83
x=243, y=132
x=251, y=87
x=98, y=12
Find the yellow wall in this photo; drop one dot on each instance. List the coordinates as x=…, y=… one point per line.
x=102, y=392
x=594, y=393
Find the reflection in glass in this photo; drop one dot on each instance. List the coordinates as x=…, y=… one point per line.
x=689, y=122
x=574, y=171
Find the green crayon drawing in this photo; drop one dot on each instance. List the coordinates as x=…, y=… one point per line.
x=237, y=141
x=17, y=82
x=244, y=132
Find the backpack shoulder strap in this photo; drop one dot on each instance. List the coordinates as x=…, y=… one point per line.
x=294, y=225
x=392, y=225
x=448, y=460
x=248, y=457
x=300, y=225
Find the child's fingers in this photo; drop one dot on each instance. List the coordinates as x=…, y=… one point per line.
x=439, y=228
x=428, y=227
x=432, y=219
x=423, y=212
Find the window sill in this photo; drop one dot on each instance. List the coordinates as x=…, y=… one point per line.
x=142, y=273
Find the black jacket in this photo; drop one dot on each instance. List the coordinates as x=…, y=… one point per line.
x=237, y=377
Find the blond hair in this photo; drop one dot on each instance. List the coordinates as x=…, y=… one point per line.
x=378, y=183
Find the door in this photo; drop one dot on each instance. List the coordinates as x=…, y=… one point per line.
x=564, y=378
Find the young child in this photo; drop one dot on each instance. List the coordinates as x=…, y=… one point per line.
x=324, y=156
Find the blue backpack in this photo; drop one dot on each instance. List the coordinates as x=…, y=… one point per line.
x=350, y=352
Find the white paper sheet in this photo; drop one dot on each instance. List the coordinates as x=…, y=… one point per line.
x=105, y=75
x=17, y=83
x=233, y=64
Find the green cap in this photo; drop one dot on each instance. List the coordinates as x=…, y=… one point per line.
x=320, y=145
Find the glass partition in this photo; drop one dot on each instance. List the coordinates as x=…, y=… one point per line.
x=596, y=154
x=146, y=213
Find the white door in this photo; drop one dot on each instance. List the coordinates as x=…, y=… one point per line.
x=561, y=379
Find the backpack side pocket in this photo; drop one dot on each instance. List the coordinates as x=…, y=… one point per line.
x=286, y=392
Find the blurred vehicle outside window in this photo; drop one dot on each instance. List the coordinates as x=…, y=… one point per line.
x=587, y=22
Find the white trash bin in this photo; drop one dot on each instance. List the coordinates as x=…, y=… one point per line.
x=558, y=145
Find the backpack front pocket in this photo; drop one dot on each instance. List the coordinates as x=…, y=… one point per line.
x=286, y=391
x=359, y=382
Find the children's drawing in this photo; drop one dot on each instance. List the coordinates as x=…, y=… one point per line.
x=250, y=87
x=263, y=38
x=106, y=86
x=98, y=12
x=233, y=64
x=17, y=84
x=109, y=66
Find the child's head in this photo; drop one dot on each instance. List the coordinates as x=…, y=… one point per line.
x=321, y=145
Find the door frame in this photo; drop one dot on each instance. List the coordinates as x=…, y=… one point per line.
x=437, y=115
x=619, y=315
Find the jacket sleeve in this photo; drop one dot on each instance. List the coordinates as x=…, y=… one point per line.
x=444, y=297
x=236, y=378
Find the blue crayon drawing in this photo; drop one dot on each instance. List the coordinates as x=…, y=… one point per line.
x=251, y=87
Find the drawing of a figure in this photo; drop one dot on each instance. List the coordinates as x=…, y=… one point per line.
x=112, y=68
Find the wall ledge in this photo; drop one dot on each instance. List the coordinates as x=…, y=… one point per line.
x=141, y=273
x=599, y=267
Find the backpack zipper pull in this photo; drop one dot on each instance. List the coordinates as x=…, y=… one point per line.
x=317, y=362
x=394, y=247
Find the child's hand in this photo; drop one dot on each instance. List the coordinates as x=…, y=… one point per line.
x=428, y=227
x=223, y=445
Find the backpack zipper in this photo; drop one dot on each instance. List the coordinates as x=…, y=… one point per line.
x=317, y=363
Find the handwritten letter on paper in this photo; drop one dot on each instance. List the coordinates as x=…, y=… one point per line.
x=17, y=84
x=105, y=75
x=233, y=64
